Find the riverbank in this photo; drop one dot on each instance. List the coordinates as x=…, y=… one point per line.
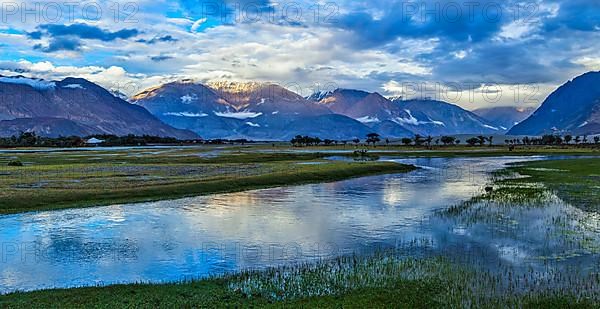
x=50, y=181
x=380, y=281
x=574, y=181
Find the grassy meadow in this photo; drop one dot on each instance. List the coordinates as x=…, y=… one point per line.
x=66, y=179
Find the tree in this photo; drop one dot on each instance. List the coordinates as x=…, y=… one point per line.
x=406, y=141
x=577, y=140
x=448, y=140
x=297, y=141
x=418, y=140
x=481, y=140
x=428, y=140
x=373, y=138
x=585, y=139
x=568, y=138
x=387, y=142
x=491, y=140
x=457, y=142
x=596, y=139
x=473, y=141
x=356, y=141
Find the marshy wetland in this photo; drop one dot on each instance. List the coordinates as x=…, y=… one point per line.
x=423, y=229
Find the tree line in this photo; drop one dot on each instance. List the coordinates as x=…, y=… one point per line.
x=419, y=140
x=299, y=140
x=553, y=140
x=31, y=139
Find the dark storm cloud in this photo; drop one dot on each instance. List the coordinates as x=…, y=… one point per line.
x=160, y=58
x=58, y=44
x=81, y=31
x=581, y=15
x=457, y=21
x=545, y=53
x=158, y=39
x=69, y=37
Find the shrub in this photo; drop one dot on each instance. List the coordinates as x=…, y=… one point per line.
x=15, y=163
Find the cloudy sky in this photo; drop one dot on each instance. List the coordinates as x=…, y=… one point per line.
x=470, y=52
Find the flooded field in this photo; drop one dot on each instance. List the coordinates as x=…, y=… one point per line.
x=412, y=213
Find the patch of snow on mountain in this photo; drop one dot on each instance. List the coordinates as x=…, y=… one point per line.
x=256, y=125
x=490, y=127
x=275, y=113
x=410, y=120
x=368, y=119
x=186, y=114
x=318, y=96
x=73, y=86
x=188, y=99
x=38, y=84
x=439, y=123
x=239, y=115
x=583, y=124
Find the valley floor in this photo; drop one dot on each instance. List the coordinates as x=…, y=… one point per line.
x=383, y=280
x=71, y=179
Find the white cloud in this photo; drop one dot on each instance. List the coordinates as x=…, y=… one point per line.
x=589, y=62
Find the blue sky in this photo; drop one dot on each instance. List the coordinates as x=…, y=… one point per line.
x=466, y=52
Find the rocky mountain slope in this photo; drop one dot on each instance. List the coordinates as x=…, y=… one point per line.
x=73, y=106
x=574, y=108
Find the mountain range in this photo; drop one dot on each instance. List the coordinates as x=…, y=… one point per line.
x=264, y=111
x=73, y=106
x=270, y=112
x=258, y=111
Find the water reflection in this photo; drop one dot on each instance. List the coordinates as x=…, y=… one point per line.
x=195, y=237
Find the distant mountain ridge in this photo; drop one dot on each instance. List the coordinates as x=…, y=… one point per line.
x=73, y=106
x=574, y=108
x=404, y=117
x=505, y=117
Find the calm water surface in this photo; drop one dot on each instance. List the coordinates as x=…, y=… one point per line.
x=195, y=237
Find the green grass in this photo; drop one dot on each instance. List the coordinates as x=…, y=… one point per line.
x=378, y=281
x=93, y=178
x=574, y=181
x=215, y=294
x=537, y=183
